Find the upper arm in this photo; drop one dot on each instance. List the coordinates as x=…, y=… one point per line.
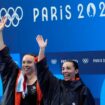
x=9, y=68
x=47, y=81
x=89, y=100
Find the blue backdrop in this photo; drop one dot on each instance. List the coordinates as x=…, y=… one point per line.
x=74, y=28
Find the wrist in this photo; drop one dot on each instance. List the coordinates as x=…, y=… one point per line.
x=42, y=48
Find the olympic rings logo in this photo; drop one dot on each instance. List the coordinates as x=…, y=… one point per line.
x=13, y=15
x=85, y=60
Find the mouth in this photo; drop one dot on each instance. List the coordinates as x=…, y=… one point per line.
x=26, y=68
x=67, y=76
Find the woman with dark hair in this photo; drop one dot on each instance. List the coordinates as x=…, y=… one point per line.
x=70, y=91
x=18, y=89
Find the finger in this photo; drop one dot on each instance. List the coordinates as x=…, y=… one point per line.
x=38, y=38
x=4, y=20
x=46, y=41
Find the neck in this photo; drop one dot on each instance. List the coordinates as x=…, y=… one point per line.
x=73, y=79
x=31, y=78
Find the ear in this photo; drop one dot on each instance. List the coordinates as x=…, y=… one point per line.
x=76, y=71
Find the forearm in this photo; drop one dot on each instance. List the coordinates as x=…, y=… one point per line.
x=41, y=54
x=42, y=45
x=2, y=45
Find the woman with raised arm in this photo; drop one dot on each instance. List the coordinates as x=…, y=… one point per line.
x=20, y=87
x=70, y=91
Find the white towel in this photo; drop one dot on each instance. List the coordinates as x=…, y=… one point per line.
x=20, y=85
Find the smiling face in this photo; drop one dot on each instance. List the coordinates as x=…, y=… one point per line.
x=69, y=70
x=28, y=64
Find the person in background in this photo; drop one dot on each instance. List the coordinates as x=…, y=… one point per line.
x=70, y=91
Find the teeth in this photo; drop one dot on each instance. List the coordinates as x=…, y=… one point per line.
x=26, y=68
x=65, y=75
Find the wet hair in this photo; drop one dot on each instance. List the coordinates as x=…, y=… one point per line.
x=35, y=57
x=75, y=64
x=31, y=55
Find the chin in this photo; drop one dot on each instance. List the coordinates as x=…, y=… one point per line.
x=27, y=73
x=67, y=79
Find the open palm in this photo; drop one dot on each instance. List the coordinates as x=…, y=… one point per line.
x=2, y=23
x=41, y=42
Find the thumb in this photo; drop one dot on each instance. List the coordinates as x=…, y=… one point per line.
x=46, y=41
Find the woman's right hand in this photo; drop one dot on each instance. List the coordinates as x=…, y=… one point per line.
x=40, y=40
x=42, y=45
x=2, y=23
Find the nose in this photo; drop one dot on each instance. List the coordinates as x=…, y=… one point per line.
x=64, y=70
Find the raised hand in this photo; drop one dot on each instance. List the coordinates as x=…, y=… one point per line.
x=2, y=23
x=41, y=42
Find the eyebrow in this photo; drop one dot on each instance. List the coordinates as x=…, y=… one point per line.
x=27, y=61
